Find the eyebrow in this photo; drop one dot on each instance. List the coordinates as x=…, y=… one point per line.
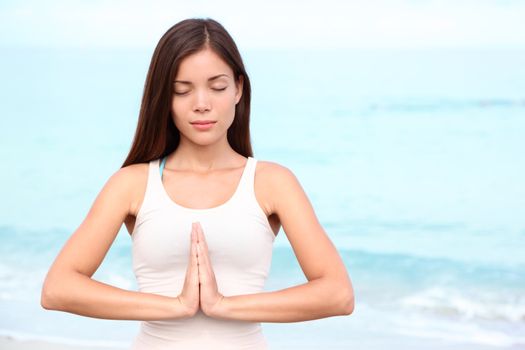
x=210, y=79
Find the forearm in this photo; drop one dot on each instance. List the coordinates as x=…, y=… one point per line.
x=312, y=300
x=79, y=294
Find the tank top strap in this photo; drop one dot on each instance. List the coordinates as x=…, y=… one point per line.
x=154, y=191
x=157, y=191
x=246, y=186
x=246, y=201
x=152, y=196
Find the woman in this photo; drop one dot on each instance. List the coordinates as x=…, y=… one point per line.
x=202, y=213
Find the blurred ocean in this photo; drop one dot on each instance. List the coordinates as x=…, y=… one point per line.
x=413, y=160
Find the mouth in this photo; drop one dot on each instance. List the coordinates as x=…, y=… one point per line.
x=203, y=125
x=203, y=122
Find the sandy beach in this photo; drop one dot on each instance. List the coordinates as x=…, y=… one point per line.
x=9, y=343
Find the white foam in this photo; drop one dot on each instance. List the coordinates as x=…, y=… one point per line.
x=458, y=332
x=468, y=305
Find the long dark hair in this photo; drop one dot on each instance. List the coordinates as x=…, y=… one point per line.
x=156, y=134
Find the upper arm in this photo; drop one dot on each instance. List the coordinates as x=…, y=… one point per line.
x=313, y=248
x=88, y=245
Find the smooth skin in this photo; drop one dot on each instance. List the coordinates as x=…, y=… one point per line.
x=201, y=173
x=190, y=295
x=200, y=290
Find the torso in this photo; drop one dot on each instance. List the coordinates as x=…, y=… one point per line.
x=203, y=191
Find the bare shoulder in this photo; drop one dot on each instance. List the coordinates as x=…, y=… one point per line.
x=134, y=172
x=126, y=182
x=269, y=169
x=275, y=182
x=129, y=176
x=134, y=177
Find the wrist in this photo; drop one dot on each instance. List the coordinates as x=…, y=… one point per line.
x=221, y=308
x=181, y=309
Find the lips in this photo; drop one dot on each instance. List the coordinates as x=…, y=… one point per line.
x=203, y=125
x=201, y=122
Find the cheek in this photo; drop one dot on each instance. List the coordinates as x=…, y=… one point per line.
x=177, y=109
x=229, y=102
x=176, y=113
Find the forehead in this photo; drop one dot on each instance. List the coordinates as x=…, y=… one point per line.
x=201, y=66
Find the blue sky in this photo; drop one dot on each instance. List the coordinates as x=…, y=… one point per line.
x=272, y=24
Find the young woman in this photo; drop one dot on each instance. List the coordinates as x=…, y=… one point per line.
x=202, y=213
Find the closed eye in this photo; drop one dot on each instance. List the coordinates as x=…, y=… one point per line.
x=183, y=93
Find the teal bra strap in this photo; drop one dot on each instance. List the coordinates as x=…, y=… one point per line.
x=162, y=165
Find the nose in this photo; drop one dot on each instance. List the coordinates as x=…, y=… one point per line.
x=202, y=101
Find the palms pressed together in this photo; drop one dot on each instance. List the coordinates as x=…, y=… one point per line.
x=200, y=288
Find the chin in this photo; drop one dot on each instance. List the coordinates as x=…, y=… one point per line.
x=204, y=140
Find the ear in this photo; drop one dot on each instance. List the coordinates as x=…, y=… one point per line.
x=239, y=87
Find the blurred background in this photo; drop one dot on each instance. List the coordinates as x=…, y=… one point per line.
x=403, y=120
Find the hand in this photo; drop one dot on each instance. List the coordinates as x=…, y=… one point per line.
x=189, y=297
x=210, y=298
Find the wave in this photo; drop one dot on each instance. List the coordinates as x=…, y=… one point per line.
x=468, y=305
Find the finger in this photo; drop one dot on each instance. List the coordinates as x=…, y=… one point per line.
x=194, y=265
x=191, y=250
x=203, y=270
x=193, y=240
x=202, y=249
x=194, y=252
x=193, y=246
x=205, y=252
x=202, y=239
x=192, y=271
x=201, y=234
x=204, y=258
x=194, y=230
x=197, y=231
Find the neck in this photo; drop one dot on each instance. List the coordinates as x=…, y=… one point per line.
x=202, y=158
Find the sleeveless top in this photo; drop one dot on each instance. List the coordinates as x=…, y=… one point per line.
x=240, y=241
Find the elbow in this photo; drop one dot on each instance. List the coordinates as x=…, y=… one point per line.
x=341, y=293
x=46, y=299
x=60, y=290
x=346, y=306
x=49, y=297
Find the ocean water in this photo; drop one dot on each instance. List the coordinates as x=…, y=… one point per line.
x=413, y=160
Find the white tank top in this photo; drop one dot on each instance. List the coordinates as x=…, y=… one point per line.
x=240, y=241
